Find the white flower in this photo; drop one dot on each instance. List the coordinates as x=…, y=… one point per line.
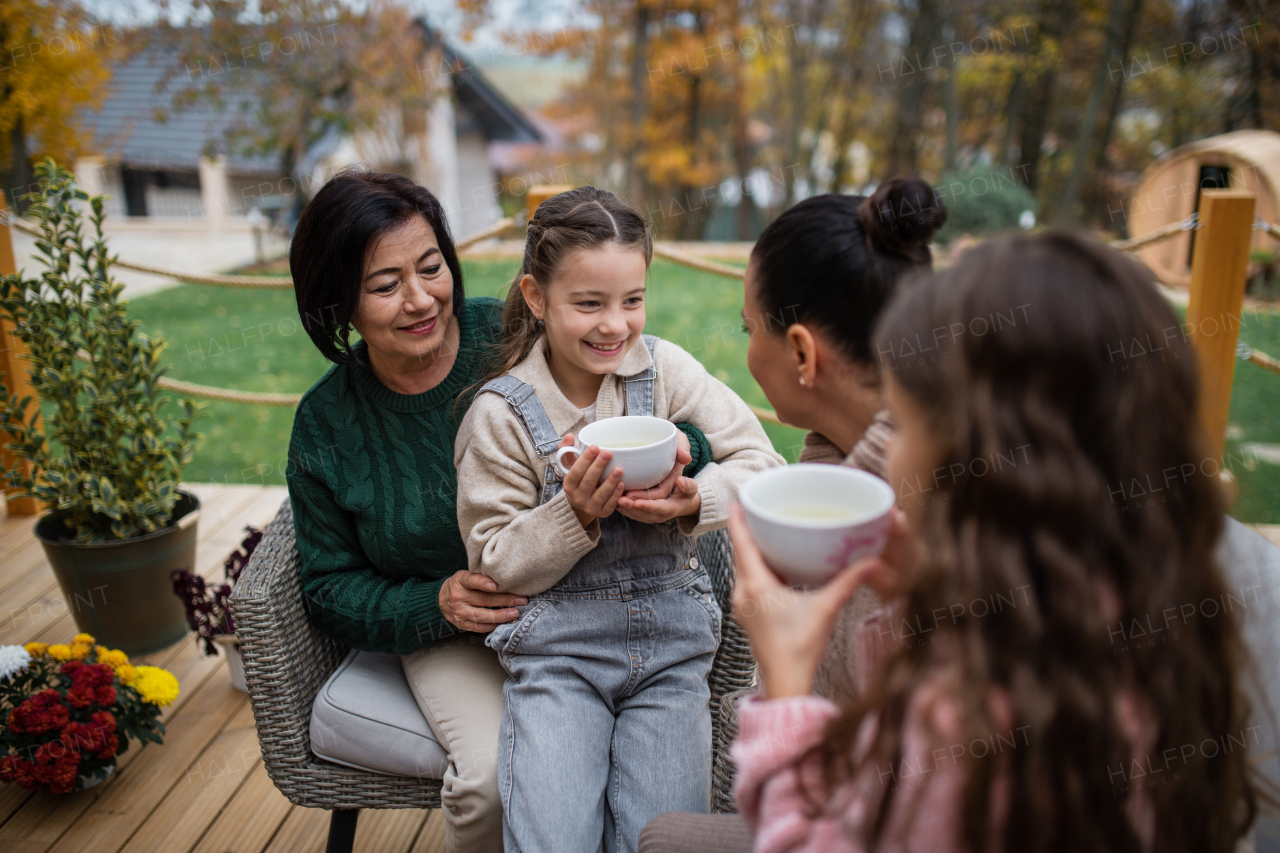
x=13, y=659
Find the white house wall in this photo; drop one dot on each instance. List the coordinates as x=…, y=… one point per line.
x=477, y=202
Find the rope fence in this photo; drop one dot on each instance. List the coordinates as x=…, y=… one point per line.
x=502, y=226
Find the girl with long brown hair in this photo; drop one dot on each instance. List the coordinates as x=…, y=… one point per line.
x=1006, y=705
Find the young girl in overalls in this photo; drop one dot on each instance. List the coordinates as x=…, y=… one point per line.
x=607, y=718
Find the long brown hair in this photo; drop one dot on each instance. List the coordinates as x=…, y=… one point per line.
x=1037, y=355
x=580, y=218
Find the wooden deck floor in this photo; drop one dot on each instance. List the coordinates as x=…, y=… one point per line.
x=204, y=790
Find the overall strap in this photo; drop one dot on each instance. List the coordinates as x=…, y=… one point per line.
x=524, y=402
x=639, y=386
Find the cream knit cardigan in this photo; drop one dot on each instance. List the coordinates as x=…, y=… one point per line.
x=526, y=547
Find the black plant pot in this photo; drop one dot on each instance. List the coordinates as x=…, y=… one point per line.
x=120, y=592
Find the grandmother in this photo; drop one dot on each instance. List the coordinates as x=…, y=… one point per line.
x=371, y=476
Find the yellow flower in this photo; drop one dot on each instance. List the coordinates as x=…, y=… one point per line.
x=112, y=657
x=127, y=673
x=156, y=685
x=83, y=638
x=58, y=651
x=36, y=649
x=80, y=651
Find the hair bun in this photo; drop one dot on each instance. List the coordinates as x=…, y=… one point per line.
x=901, y=217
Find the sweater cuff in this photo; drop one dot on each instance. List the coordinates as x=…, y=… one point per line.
x=774, y=720
x=774, y=732
x=578, y=539
x=712, y=514
x=699, y=449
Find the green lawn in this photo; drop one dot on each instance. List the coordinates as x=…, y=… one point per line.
x=251, y=340
x=1255, y=420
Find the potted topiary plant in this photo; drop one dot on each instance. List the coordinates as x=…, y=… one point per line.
x=104, y=458
x=208, y=607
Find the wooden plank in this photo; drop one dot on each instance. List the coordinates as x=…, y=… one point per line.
x=15, y=534
x=250, y=820
x=303, y=831
x=431, y=838
x=384, y=830
x=1218, y=270
x=17, y=380
x=21, y=569
x=193, y=804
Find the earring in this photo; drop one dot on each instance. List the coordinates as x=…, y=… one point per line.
x=801, y=380
x=537, y=323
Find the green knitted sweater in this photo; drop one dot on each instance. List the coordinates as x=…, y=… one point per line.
x=374, y=494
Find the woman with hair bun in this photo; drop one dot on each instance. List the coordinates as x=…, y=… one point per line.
x=818, y=279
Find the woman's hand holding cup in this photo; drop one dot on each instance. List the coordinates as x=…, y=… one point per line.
x=787, y=627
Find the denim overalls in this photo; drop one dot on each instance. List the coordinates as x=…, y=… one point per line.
x=607, y=721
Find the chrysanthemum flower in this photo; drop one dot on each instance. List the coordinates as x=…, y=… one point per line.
x=36, y=649
x=13, y=659
x=156, y=685
x=60, y=651
x=83, y=638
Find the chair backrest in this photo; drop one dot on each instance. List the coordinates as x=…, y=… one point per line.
x=286, y=659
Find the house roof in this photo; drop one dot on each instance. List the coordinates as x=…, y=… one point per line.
x=137, y=127
x=500, y=120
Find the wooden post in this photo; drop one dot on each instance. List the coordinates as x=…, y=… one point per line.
x=1218, y=272
x=13, y=367
x=538, y=194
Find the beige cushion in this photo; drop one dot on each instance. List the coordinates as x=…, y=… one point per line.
x=365, y=717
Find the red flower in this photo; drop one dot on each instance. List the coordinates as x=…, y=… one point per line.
x=57, y=766
x=80, y=697
x=43, y=712
x=64, y=775
x=90, y=683
x=19, y=770
x=97, y=737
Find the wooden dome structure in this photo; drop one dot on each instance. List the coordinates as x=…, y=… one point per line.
x=1169, y=191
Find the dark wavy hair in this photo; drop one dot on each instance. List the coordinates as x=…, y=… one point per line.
x=833, y=261
x=580, y=218
x=337, y=230
x=1027, y=338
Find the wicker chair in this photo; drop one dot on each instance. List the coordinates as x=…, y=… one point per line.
x=286, y=660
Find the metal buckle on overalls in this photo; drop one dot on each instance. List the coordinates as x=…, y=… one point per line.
x=693, y=563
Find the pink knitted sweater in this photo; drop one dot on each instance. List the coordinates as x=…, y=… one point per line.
x=926, y=812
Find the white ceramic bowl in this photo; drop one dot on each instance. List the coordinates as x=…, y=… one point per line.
x=643, y=465
x=810, y=521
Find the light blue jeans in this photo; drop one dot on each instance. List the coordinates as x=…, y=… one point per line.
x=607, y=721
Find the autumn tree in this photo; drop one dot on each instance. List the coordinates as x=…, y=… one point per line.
x=295, y=71
x=55, y=61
